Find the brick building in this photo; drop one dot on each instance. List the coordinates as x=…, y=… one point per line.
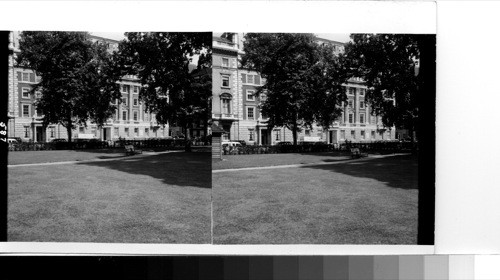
x=130, y=121
x=236, y=107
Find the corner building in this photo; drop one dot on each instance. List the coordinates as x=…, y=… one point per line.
x=130, y=120
x=236, y=107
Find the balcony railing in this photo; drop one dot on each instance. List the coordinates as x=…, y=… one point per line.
x=224, y=116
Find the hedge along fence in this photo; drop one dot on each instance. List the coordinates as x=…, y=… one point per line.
x=96, y=144
x=378, y=146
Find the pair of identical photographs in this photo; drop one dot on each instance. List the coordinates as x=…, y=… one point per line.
x=221, y=138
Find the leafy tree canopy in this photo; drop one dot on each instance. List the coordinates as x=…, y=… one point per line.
x=387, y=63
x=161, y=60
x=78, y=81
x=303, y=79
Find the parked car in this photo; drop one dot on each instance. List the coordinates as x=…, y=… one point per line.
x=284, y=143
x=14, y=140
x=59, y=140
x=242, y=142
x=231, y=144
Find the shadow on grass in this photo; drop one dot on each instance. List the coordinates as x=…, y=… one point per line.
x=397, y=171
x=180, y=168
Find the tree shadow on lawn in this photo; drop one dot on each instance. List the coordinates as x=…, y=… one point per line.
x=396, y=171
x=180, y=168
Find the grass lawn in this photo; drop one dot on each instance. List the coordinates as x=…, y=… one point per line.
x=161, y=198
x=23, y=157
x=256, y=160
x=354, y=202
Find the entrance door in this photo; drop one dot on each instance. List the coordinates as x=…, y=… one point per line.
x=264, y=137
x=106, y=133
x=333, y=137
x=39, y=134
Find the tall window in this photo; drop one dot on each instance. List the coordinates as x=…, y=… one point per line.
x=361, y=104
x=277, y=135
x=351, y=118
x=362, y=118
x=251, y=95
x=226, y=106
x=250, y=113
x=25, y=92
x=136, y=114
x=352, y=91
x=373, y=134
x=52, y=132
x=225, y=62
x=136, y=132
x=351, y=103
x=362, y=91
x=353, y=134
x=26, y=132
x=26, y=77
x=127, y=131
x=251, y=134
x=136, y=89
x=362, y=134
x=136, y=102
x=26, y=110
x=125, y=88
x=115, y=131
x=225, y=81
x=124, y=101
x=146, y=131
x=124, y=115
x=250, y=79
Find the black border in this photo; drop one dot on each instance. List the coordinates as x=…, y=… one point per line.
x=4, y=92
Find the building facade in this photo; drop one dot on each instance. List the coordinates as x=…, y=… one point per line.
x=130, y=121
x=236, y=105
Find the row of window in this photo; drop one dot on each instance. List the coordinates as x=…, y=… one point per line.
x=350, y=104
x=126, y=88
x=125, y=101
x=135, y=116
x=352, y=91
x=245, y=78
x=276, y=134
x=363, y=135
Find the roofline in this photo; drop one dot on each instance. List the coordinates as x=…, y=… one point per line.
x=102, y=38
x=332, y=41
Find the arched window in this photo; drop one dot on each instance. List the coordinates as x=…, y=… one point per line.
x=226, y=103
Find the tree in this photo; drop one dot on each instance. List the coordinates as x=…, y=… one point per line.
x=303, y=79
x=78, y=80
x=388, y=65
x=172, y=91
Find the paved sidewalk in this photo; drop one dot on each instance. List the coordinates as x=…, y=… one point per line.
x=370, y=157
x=93, y=160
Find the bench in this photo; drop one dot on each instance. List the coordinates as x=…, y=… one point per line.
x=356, y=153
x=131, y=150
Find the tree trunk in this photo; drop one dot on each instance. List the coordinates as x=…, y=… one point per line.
x=294, y=133
x=187, y=147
